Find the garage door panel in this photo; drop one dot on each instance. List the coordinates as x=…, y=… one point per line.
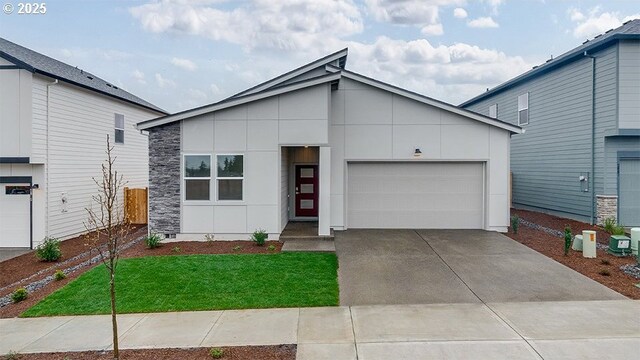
x=15, y=215
x=629, y=202
x=415, y=195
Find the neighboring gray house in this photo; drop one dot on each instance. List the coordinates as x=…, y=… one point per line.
x=580, y=154
x=54, y=119
x=325, y=144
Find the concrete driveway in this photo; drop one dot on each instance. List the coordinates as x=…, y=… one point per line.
x=452, y=266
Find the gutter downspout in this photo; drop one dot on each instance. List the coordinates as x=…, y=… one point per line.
x=593, y=136
x=46, y=161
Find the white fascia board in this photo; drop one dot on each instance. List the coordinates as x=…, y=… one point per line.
x=288, y=76
x=235, y=102
x=425, y=100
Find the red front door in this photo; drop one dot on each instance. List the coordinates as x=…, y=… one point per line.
x=306, y=190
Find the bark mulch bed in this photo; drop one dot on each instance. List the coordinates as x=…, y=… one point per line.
x=553, y=247
x=23, y=266
x=272, y=352
x=203, y=247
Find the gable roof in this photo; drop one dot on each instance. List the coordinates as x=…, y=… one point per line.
x=630, y=30
x=334, y=73
x=38, y=63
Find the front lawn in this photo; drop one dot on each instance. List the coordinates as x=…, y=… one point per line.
x=201, y=282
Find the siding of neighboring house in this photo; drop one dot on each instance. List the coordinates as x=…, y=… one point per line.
x=548, y=159
x=79, y=121
x=629, y=83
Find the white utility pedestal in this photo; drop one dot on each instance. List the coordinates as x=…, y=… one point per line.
x=589, y=243
x=577, y=243
x=635, y=239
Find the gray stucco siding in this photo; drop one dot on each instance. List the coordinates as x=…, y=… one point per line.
x=548, y=159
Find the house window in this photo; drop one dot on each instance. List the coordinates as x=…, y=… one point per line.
x=229, y=177
x=523, y=109
x=119, y=128
x=493, y=111
x=197, y=177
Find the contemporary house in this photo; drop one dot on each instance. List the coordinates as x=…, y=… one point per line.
x=54, y=119
x=321, y=143
x=580, y=155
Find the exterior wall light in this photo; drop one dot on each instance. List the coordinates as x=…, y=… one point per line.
x=417, y=153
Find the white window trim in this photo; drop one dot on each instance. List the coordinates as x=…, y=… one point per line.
x=115, y=128
x=185, y=178
x=523, y=108
x=494, y=116
x=217, y=199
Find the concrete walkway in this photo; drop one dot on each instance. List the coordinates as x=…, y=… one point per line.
x=525, y=330
x=452, y=266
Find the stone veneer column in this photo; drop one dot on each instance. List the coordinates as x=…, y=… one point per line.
x=164, y=179
x=606, y=207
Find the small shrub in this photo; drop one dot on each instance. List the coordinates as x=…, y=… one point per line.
x=216, y=353
x=271, y=247
x=209, y=238
x=12, y=355
x=604, y=272
x=59, y=275
x=259, y=237
x=605, y=262
x=152, y=240
x=237, y=248
x=19, y=294
x=609, y=224
x=567, y=240
x=515, y=223
x=176, y=250
x=49, y=250
x=618, y=230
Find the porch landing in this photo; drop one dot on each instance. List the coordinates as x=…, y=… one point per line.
x=303, y=236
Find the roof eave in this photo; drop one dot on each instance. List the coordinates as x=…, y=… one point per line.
x=230, y=102
x=433, y=102
x=544, y=68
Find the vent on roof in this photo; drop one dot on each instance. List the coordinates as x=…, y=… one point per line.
x=109, y=85
x=535, y=67
x=115, y=87
x=610, y=30
x=625, y=23
x=597, y=36
x=89, y=77
x=586, y=41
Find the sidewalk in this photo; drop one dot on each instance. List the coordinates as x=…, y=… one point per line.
x=548, y=330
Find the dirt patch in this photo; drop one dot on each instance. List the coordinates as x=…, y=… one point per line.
x=203, y=247
x=553, y=247
x=272, y=352
x=23, y=263
x=558, y=223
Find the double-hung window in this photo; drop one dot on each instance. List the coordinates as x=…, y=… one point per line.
x=118, y=125
x=197, y=177
x=230, y=176
x=523, y=109
x=493, y=111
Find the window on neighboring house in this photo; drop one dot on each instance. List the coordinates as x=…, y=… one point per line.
x=119, y=128
x=197, y=177
x=493, y=111
x=230, y=176
x=523, y=109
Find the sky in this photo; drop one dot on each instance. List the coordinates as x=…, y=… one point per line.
x=185, y=53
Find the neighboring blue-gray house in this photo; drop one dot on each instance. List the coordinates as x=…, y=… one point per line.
x=580, y=154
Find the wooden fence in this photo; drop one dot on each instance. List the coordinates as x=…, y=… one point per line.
x=135, y=205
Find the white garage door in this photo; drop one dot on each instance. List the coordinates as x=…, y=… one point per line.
x=15, y=215
x=415, y=195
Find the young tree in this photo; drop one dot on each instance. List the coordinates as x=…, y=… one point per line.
x=107, y=227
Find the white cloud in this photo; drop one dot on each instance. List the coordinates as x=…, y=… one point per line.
x=215, y=90
x=483, y=23
x=435, y=29
x=197, y=95
x=164, y=82
x=460, y=13
x=283, y=24
x=184, y=64
x=138, y=76
x=595, y=21
x=420, y=13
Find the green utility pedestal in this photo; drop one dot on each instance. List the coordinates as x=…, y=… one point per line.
x=619, y=245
